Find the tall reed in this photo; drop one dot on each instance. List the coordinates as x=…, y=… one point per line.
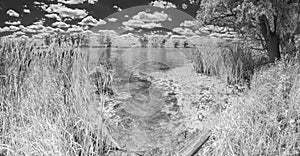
x=48, y=102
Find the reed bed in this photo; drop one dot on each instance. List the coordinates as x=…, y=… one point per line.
x=234, y=63
x=46, y=100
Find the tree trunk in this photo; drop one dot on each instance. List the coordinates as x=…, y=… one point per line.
x=272, y=39
x=272, y=45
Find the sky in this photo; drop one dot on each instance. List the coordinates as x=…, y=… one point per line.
x=37, y=16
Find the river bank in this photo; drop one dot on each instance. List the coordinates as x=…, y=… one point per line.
x=181, y=106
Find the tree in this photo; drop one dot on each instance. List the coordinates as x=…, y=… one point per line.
x=144, y=41
x=272, y=22
x=47, y=40
x=163, y=43
x=185, y=44
x=176, y=43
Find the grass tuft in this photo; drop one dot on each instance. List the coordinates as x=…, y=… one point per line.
x=265, y=121
x=48, y=104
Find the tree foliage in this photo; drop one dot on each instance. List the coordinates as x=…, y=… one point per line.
x=273, y=22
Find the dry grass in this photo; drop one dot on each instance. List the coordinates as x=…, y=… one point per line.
x=266, y=121
x=45, y=101
x=233, y=63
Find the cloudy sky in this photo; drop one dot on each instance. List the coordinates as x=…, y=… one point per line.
x=36, y=16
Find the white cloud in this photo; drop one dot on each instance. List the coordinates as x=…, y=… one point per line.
x=127, y=28
x=11, y=28
x=184, y=6
x=146, y=20
x=13, y=23
x=14, y=28
x=91, y=21
x=75, y=29
x=151, y=25
x=126, y=16
x=60, y=25
x=117, y=7
x=163, y=4
x=19, y=33
x=38, y=3
x=35, y=28
x=133, y=23
x=150, y=17
x=53, y=16
x=26, y=11
x=112, y=19
x=138, y=23
x=12, y=13
x=4, y=29
x=58, y=30
x=66, y=12
x=40, y=22
x=188, y=23
x=77, y=1
x=26, y=29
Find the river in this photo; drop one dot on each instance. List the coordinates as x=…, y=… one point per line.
x=139, y=97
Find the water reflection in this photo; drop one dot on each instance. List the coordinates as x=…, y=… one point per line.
x=127, y=60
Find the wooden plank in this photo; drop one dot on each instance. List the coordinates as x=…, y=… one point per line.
x=195, y=145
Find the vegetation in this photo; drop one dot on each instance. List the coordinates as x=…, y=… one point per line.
x=46, y=98
x=144, y=41
x=265, y=121
x=272, y=23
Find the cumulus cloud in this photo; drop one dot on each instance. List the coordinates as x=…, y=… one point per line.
x=138, y=23
x=183, y=31
x=19, y=33
x=112, y=19
x=12, y=13
x=58, y=30
x=4, y=29
x=133, y=23
x=184, y=6
x=66, y=12
x=55, y=16
x=151, y=25
x=14, y=28
x=38, y=3
x=75, y=29
x=77, y=1
x=150, y=17
x=163, y=4
x=13, y=23
x=27, y=30
x=35, y=28
x=146, y=20
x=11, y=28
x=126, y=28
x=188, y=23
x=91, y=21
x=60, y=25
x=26, y=11
x=126, y=16
x=117, y=7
